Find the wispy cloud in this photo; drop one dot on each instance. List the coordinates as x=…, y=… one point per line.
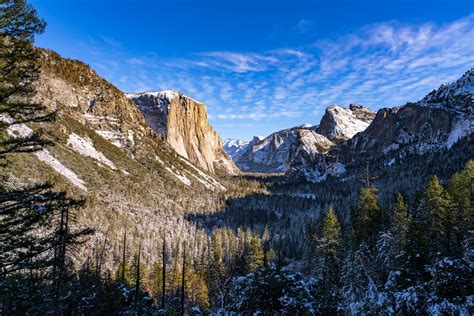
x=379, y=65
x=303, y=26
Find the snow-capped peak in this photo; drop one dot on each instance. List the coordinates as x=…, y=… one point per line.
x=168, y=94
x=458, y=95
x=230, y=142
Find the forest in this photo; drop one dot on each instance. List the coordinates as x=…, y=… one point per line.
x=397, y=242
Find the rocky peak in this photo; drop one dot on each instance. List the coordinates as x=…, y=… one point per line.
x=182, y=122
x=339, y=123
x=458, y=95
x=284, y=149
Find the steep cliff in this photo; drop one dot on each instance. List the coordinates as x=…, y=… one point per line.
x=182, y=122
x=436, y=122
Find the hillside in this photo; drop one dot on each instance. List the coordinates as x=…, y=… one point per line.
x=104, y=151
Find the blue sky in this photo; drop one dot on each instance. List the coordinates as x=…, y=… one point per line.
x=262, y=66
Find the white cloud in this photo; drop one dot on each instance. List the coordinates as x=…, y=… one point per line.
x=379, y=65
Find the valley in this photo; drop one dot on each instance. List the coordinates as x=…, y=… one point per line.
x=131, y=203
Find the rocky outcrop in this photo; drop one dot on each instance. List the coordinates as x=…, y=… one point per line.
x=269, y=155
x=182, y=122
x=436, y=122
x=294, y=147
x=339, y=124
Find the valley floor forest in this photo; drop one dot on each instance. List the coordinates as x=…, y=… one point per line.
x=141, y=241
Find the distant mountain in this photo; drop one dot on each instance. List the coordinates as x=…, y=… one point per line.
x=436, y=122
x=276, y=152
x=237, y=147
x=182, y=122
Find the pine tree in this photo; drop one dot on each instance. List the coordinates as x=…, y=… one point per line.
x=368, y=220
x=137, y=270
x=461, y=188
x=437, y=212
x=19, y=69
x=253, y=253
x=329, y=252
x=400, y=225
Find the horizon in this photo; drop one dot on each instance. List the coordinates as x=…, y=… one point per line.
x=279, y=66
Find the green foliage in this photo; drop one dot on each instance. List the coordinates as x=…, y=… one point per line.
x=400, y=224
x=368, y=219
x=253, y=253
x=461, y=189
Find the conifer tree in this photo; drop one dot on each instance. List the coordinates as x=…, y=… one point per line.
x=461, y=188
x=329, y=253
x=436, y=210
x=400, y=225
x=253, y=253
x=368, y=219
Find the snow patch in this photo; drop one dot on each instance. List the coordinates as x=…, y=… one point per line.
x=85, y=147
x=208, y=181
x=115, y=138
x=181, y=178
x=461, y=128
x=45, y=156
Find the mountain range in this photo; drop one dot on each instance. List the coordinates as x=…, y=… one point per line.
x=152, y=157
x=351, y=137
x=275, y=153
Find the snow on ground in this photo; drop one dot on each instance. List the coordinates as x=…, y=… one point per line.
x=181, y=178
x=21, y=130
x=208, y=181
x=462, y=128
x=85, y=147
x=115, y=138
x=45, y=156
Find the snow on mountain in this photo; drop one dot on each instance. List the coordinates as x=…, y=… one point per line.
x=340, y=123
x=437, y=122
x=182, y=122
x=85, y=147
x=281, y=150
x=21, y=130
x=235, y=148
x=458, y=95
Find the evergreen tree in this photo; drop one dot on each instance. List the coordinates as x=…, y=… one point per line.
x=400, y=225
x=19, y=69
x=441, y=219
x=461, y=188
x=253, y=253
x=368, y=219
x=329, y=252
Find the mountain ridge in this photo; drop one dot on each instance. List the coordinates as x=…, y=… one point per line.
x=275, y=152
x=437, y=121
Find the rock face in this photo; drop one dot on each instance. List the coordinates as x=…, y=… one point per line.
x=182, y=122
x=268, y=155
x=437, y=121
x=339, y=124
x=290, y=147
